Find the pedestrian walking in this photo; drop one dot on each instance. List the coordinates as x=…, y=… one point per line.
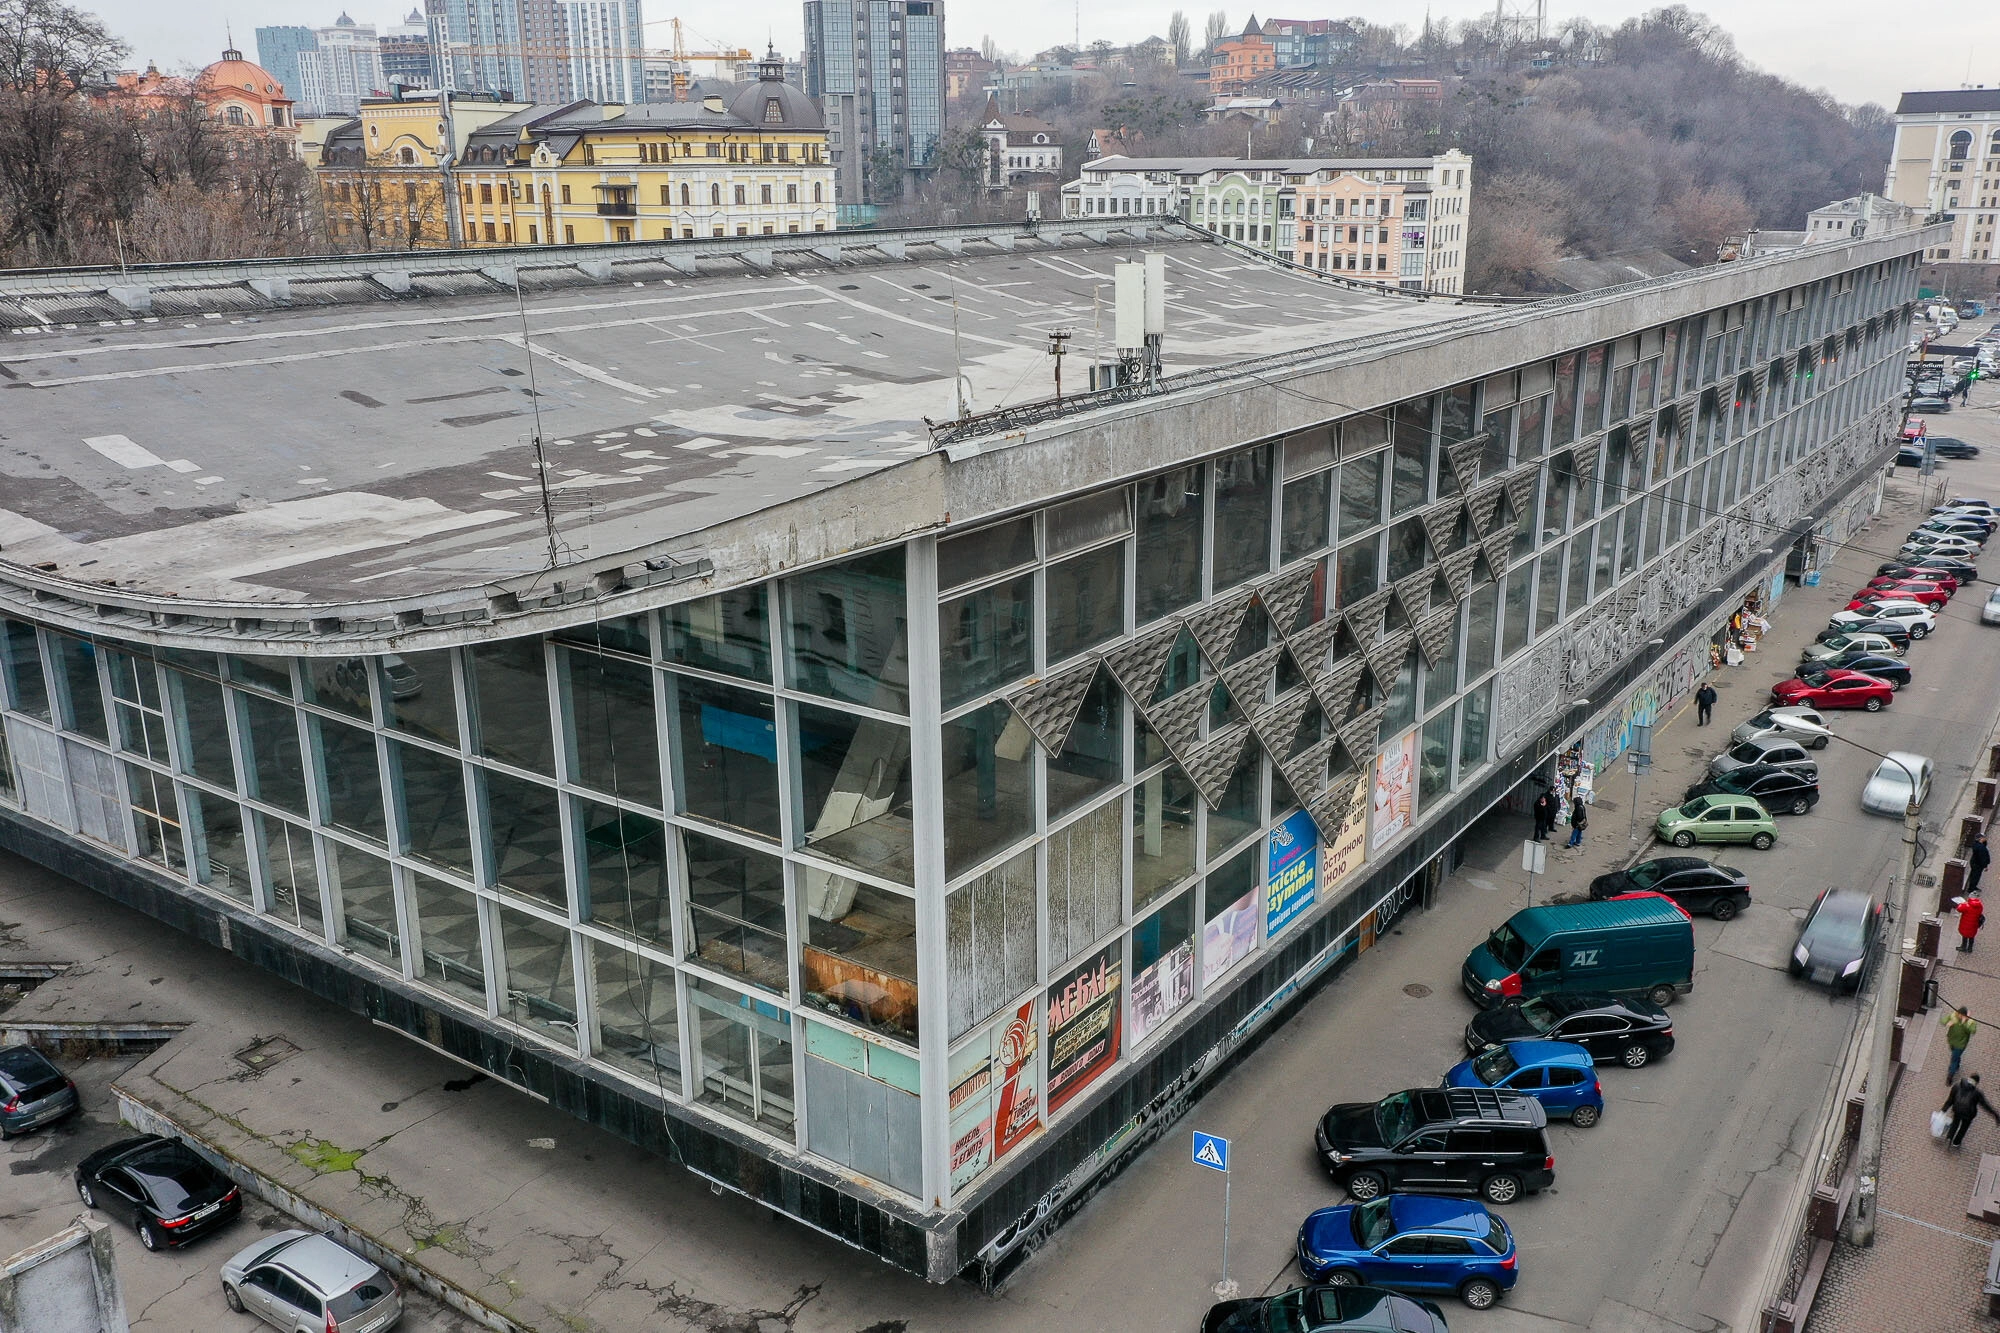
x=1971, y=916
x=1579, y=820
x=1958, y=1029
x=1704, y=704
x=1545, y=815
x=1965, y=1102
x=1965, y=388
x=1980, y=858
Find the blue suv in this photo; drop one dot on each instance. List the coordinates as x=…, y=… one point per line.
x=1558, y=1074
x=1411, y=1242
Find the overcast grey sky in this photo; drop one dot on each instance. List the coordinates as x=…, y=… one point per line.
x=1858, y=51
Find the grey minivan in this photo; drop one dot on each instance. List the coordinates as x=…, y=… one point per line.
x=305, y=1283
x=1779, y=751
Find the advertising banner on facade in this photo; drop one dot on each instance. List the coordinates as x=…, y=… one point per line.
x=1395, y=789
x=1344, y=855
x=1292, y=881
x=1162, y=988
x=1085, y=1022
x=994, y=1103
x=1228, y=937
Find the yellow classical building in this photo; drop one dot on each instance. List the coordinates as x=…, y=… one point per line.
x=734, y=160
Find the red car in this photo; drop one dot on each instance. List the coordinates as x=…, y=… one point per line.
x=1933, y=595
x=1649, y=893
x=1835, y=689
x=1949, y=582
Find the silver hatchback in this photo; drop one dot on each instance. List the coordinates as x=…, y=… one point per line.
x=305, y=1283
x=1777, y=750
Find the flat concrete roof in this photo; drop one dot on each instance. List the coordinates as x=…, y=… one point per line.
x=383, y=449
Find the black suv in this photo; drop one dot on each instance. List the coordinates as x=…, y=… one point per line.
x=1632, y=1032
x=1482, y=1141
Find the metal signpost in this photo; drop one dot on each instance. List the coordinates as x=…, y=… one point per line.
x=1638, y=760
x=1534, y=860
x=1212, y=1152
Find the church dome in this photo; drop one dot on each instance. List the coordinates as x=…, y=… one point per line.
x=771, y=102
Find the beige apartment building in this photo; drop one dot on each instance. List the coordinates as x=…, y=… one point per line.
x=1947, y=160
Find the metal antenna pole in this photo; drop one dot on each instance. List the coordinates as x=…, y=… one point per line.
x=535, y=403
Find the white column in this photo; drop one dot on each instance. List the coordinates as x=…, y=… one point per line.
x=927, y=808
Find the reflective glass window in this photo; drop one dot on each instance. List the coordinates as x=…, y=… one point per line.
x=1169, y=542
x=369, y=921
x=859, y=957
x=27, y=684
x=854, y=789
x=510, y=690
x=353, y=778
x=1240, y=811
x=988, y=785
x=524, y=838
x=637, y=1012
x=986, y=639
x=156, y=819
x=291, y=878
x=338, y=683
x=432, y=786
x=736, y=910
x=1242, y=516
x=83, y=694
x=1361, y=493
x=1086, y=601
x=625, y=873
x=1434, y=760
x=450, y=956
x=727, y=748
x=728, y=633
x=418, y=693
x=846, y=627
x=1162, y=834
x=1306, y=505
x=277, y=770
x=614, y=738
x=541, y=977
x=1410, y=485
x=1092, y=759
x=743, y=1053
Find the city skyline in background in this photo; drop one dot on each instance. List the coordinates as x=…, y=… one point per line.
x=1767, y=33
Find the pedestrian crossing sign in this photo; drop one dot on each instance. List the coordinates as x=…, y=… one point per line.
x=1211, y=1152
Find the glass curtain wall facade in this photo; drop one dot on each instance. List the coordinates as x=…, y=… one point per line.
x=690, y=846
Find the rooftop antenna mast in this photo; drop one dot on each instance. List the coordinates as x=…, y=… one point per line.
x=1059, y=348
x=535, y=404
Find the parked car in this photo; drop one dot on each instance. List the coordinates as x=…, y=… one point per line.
x=1632, y=1032
x=1776, y=750
x=1325, y=1309
x=1410, y=1242
x=1717, y=819
x=1835, y=644
x=1879, y=665
x=1828, y=687
x=1558, y=1074
x=33, y=1092
x=1913, y=428
x=1696, y=884
x=1989, y=614
x=1915, y=617
x=1944, y=446
x=1439, y=1140
x=1910, y=455
x=1834, y=941
x=1782, y=791
x=1928, y=592
x=1959, y=567
x=1948, y=582
x=1978, y=527
x=1765, y=723
x=1638, y=947
x=305, y=1283
x=168, y=1193
x=1923, y=545
x=1899, y=776
x=1895, y=631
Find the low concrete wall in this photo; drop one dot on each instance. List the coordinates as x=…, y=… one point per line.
x=66, y=1284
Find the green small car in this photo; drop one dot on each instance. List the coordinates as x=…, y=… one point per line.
x=1717, y=817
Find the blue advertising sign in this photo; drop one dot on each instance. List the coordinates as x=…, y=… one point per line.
x=1211, y=1152
x=1293, y=878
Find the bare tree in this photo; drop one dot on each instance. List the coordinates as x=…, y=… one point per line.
x=989, y=50
x=1214, y=34
x=1179, y=37
x=47, y=53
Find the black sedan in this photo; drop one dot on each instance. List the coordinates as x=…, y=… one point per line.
x=1910, y=455
x=1879, y=665
x=161, y=1187
x=1697, y=885
x=1632, y=1032
x=1895, y=631
x=1324, y=1308
x=1782, y=791
x=1946, y=447
x=1930, y=403
x=1962, y=570
x=1834, y=943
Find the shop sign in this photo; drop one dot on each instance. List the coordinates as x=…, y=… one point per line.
x=1344, y=855
x=1291, y=882
x=1162, y=988
x=994, y=1105
x=1085, y=1023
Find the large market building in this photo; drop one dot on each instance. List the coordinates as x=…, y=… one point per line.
x=596, y=664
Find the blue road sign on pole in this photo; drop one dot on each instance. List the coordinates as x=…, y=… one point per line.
x=1211, y=1152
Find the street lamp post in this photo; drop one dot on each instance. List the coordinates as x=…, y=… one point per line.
x=1860, y=1229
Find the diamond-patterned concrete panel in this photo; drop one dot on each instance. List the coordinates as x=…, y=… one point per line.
x=1434, y=633
x=1049, y=706
x=1385, y=658
x=1464, y=458
x=1441, y=524
x=1138, y=664
x=1210, y=766
x=1364, y=615
x=1457, y=570
x=1284, y=595
x=1215, y=627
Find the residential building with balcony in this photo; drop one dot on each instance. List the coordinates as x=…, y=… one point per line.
x=1240, y=61
x=1402, y=232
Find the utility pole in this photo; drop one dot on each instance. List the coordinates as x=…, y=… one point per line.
x=1059, y=348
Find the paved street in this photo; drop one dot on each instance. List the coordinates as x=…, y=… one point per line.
x=1657, y=1223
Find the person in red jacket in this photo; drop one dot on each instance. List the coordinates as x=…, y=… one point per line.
x=1971, y=915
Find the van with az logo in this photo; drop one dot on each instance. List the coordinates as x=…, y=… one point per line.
x=1639, y=947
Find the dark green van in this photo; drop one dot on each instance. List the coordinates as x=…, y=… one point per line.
x=1636, y=947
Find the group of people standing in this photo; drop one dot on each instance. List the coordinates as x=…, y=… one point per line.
x=1548, y=808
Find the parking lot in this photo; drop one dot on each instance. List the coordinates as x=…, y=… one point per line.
x=165, y=1292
